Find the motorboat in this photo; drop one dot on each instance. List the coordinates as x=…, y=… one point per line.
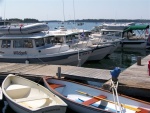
x=79, y=39
x=131, y=36
x=89, y=99
x=26, y=96
x=40, y=47
x=100, y=38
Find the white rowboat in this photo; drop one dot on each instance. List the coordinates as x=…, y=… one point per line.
x=25, y=96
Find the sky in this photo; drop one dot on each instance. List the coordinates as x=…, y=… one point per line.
x=75, y=9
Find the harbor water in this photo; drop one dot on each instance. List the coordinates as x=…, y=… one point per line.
x=120, y=58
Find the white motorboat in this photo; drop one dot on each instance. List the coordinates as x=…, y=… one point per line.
x=132, y=36
x=83, y=98
x=40, y=47
x=79, y=39
x=97, y=38
x=26, y=96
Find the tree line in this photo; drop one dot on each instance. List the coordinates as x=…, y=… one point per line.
x=26, y=20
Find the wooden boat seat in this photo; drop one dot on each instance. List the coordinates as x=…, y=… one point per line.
x=31, y=98
x=17, y=91
x=93, y=100
x=143, y=111
x=54, y=86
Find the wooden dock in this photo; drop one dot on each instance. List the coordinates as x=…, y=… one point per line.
x=135, y=80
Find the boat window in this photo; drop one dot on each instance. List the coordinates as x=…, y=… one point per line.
x=6, y=43
x=49, y=40
x=118, y=34
x=58, y=40
x=22, y=43
x=39, y=42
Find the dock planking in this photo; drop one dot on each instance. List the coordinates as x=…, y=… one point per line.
x=135, y=80
x=39, y=70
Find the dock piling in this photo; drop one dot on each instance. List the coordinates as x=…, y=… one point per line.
x=138, y=60
x=59, y=72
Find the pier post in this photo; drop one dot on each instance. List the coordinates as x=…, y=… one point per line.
x=79, y=62
x=138, y=60
x=59, y=72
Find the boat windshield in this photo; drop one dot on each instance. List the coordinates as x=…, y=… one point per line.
x=112, y=33
x=39, y=42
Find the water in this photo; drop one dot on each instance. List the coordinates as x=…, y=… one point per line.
x=120, y=58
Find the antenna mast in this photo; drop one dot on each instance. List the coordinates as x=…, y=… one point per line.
x=74, y=11
x=4, y=12
x=63, y=10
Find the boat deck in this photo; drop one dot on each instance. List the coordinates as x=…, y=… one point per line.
x=135, y=80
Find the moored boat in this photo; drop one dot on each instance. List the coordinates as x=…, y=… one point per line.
x=40, y=47
x=25, y=96
x=88, y=99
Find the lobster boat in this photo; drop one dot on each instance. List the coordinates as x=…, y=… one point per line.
x=34, y=45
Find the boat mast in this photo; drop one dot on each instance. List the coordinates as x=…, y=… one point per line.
x=74, y=11
x=63, y=11
x=4, y=11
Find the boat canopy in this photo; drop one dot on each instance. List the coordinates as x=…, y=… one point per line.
x=136, y=27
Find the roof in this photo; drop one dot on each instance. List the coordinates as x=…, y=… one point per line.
x=27, y=36
x=112, y=30
x=136, y=27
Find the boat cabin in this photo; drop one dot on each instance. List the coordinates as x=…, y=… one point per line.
x=31, y=44
x=109, y=34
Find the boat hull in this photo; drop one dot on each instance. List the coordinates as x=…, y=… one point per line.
x=135, y=44
x=114, y=47
x=20, y=109
x=99, y=52
x=70, y=58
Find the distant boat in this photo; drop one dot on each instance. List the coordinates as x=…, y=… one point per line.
x=25, y=96
x=80, y=24
x=88, y=99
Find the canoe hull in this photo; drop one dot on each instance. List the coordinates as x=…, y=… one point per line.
x=68, y=93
